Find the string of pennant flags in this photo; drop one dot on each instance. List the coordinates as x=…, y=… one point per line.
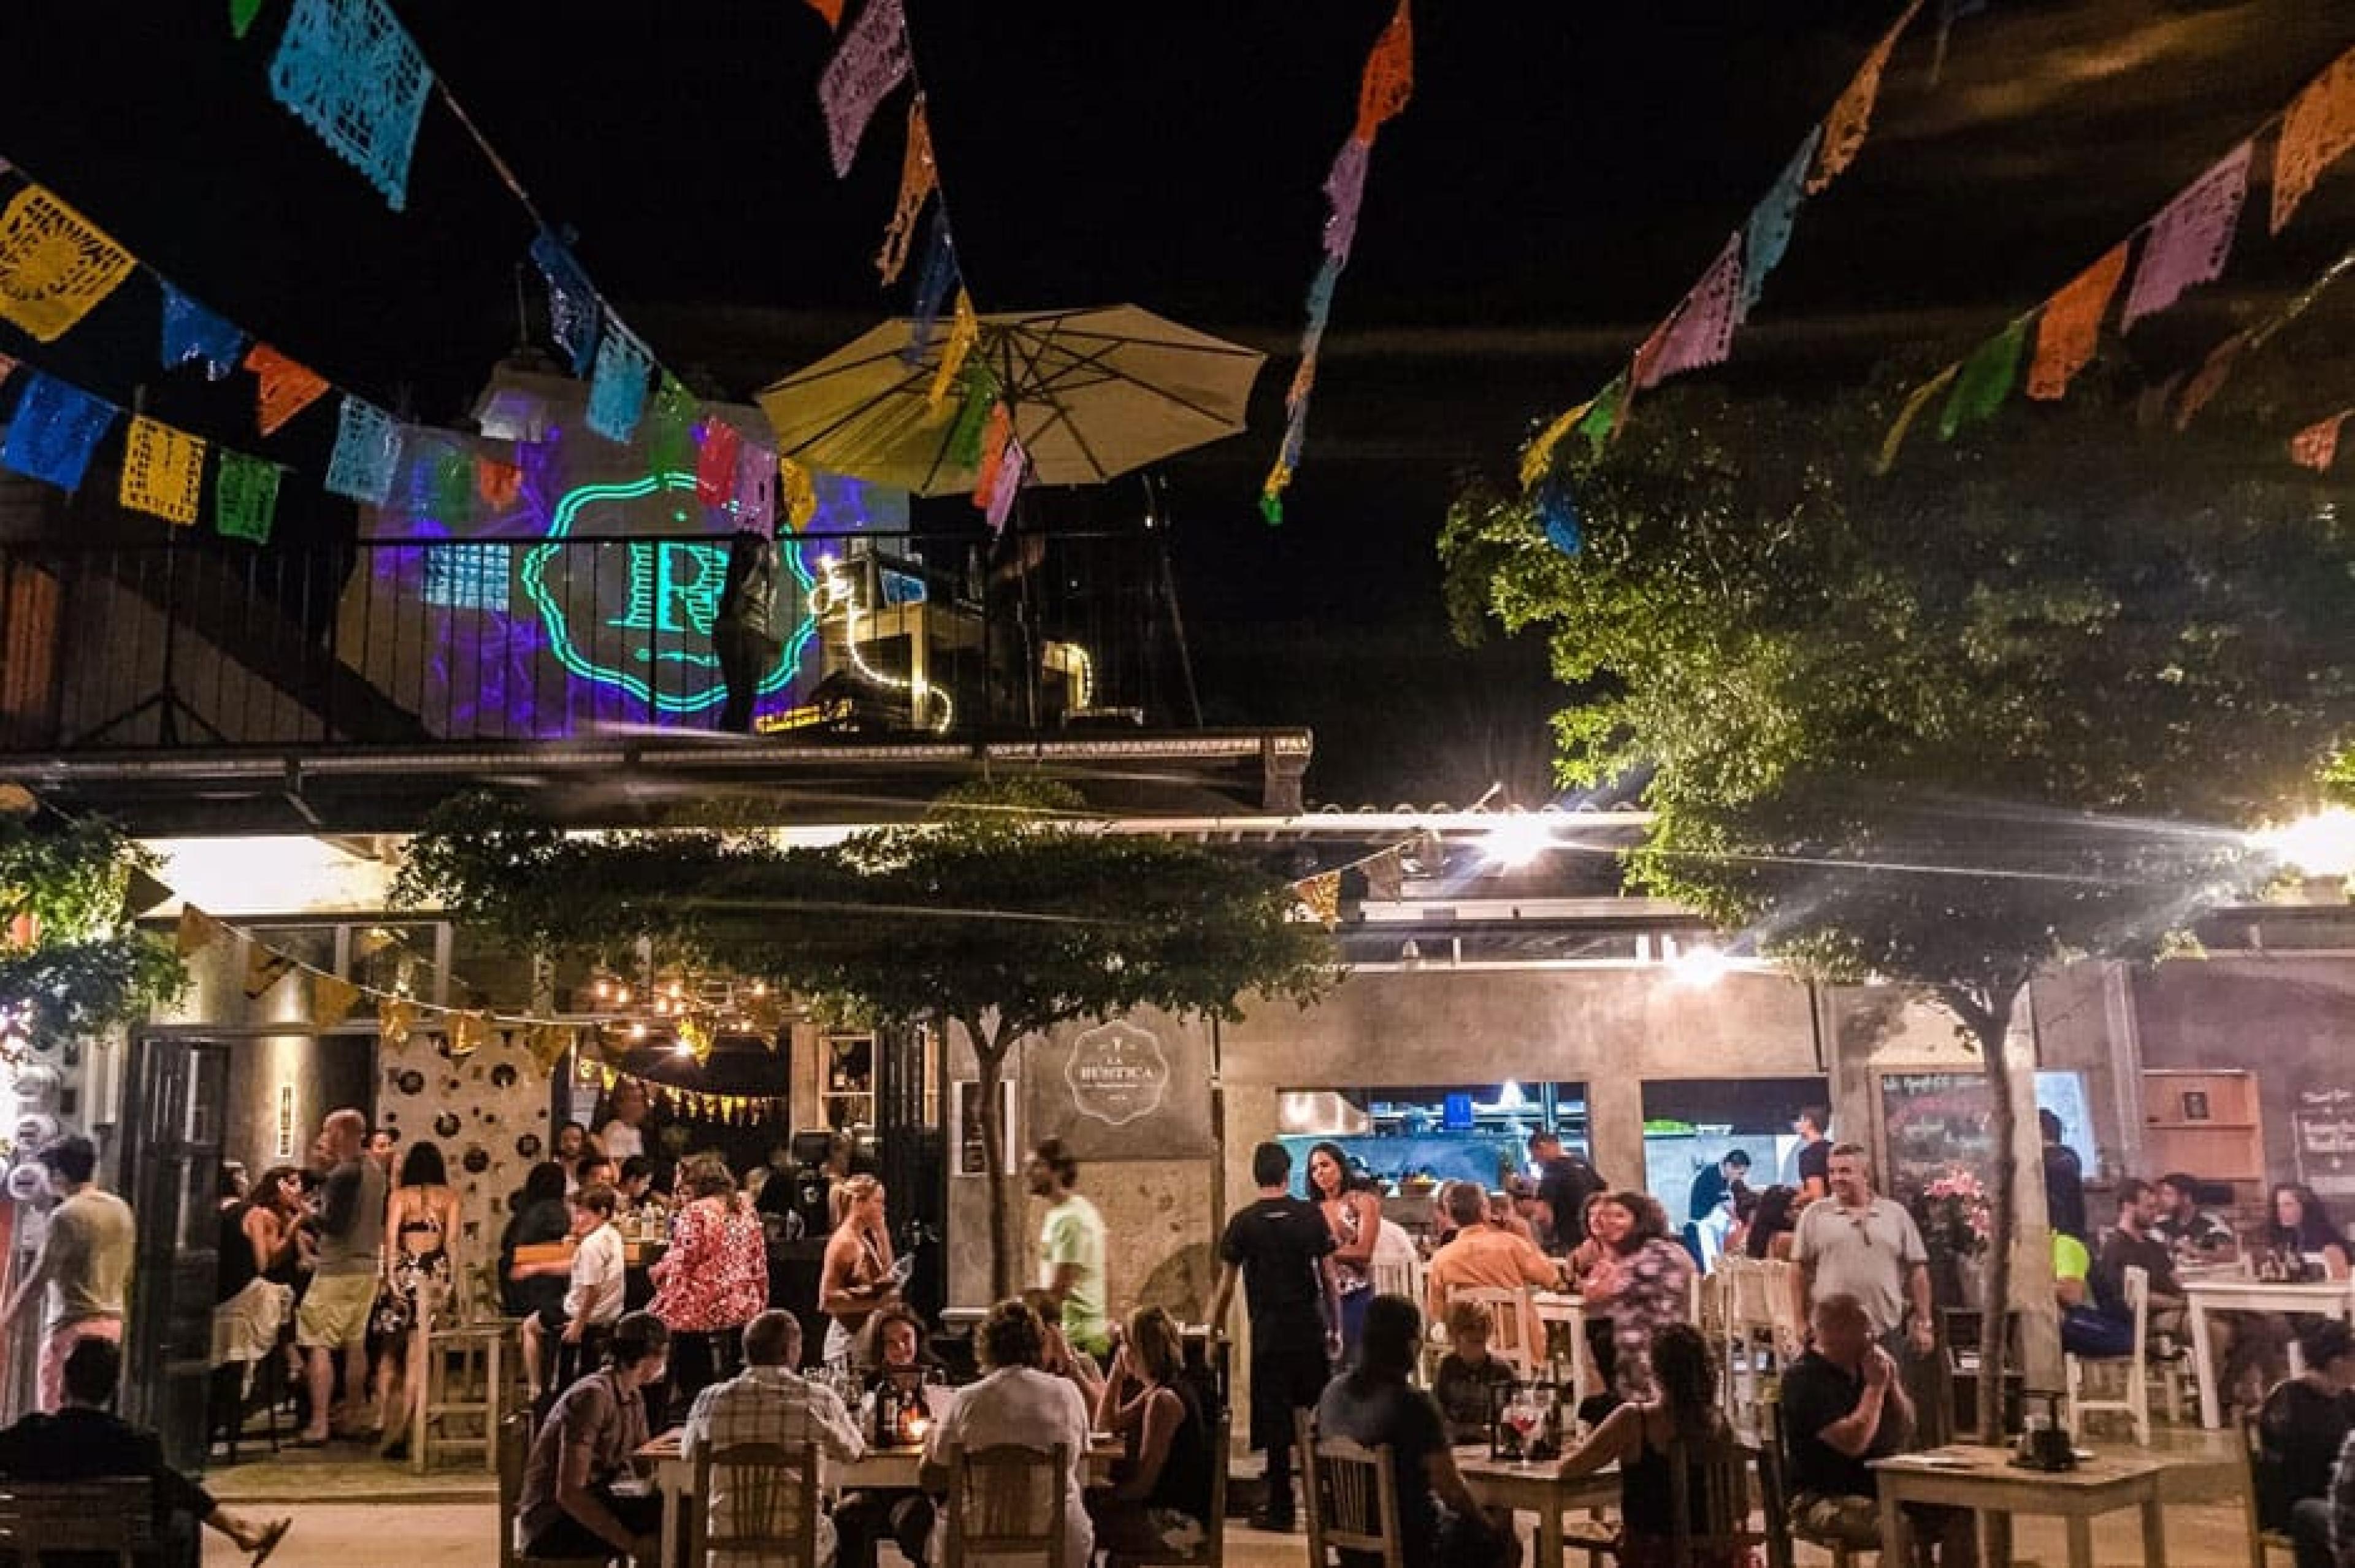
x=1318, y=895
x=2186, y=244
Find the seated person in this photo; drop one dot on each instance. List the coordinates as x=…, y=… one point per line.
x=2302, y=1426
x=1843, y=1406
x=1485, y=1256
x=768, y=1402
x=85, y=1441
x=890, y=1351
x=1638, y=1436
x=1468, y=1375
x=2085, y=1329
x=1159, y=1500
x=2135, y=1242
x=1016, y=1403
x=592, y=1303
x=1374, y=1404
x=569, y=1507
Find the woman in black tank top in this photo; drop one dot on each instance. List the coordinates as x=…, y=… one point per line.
x=1642, y=1436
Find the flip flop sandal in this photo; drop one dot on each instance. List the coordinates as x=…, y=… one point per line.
x=271, y=1536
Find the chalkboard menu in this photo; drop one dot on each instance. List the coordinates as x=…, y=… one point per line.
x=1931, y=1122
x=2322, y=1135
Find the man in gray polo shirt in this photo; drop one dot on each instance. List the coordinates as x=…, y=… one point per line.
x=1857, y=1243
x=334, y=1312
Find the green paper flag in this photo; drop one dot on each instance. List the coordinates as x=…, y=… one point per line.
x=241, y=13
x=1984, y=381
x=1602, y=421
x=973, y=418
x=453, y=484
x=670, y=441
x=245, y=497
x=1271, y=507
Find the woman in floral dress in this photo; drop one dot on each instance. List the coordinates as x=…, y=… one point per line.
x=713, y=1279
x=1641, y=1281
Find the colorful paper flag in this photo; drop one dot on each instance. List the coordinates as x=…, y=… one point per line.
x=994, y=441
x=2213, y=372
x=264, y=968
x=2315, y=133
x=670, y=428
x=8, y=366
x=917, y=178
x=1388, y=80
x=332, y=997
x=1605, y=413
x=198, y=931
x=1700, y=332
x=1915, y=403
x=574, y=312
x=285, y=389
x=1345, y=192
x=872, y=60
x=469, y=1030
x=964, y=332
x=395, y=1021
x=754, y=502
x=245, y=497
x=1984, y=381
x=1557, y=506
x=1845, y=127
x=1010, y=472
x=350, y=71
x=829, y=9
x=241, y=13
x=968, y=438
x=192, y=332
x=54, y=265
x=715, y=462
x=56, y=428
x=2070, y=329
x=498, y=483
x=163, y=469
x=2190, y=241
x=367, y=459
x=1320, y=896
x=932, y=286
x=797, y=488
x=1539, y=457
x=617, y=392
x=2317, y=446
x=1768, y=233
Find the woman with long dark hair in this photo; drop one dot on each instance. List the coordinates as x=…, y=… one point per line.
x=2302, y=1229
x=1642, y=1283
x=1640, y=1437
x=1774, y=1225
x=420, y=1224
x=1355, y=1217
x=1159, y=1501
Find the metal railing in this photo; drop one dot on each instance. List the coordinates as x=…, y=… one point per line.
x=207, y=643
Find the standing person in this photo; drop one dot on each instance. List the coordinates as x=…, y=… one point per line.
x=1714, y=1184
x=1844, y=1407
x=1867, y=1247
x=334, y=1315
x=83, y=1269
x=856, y=1275
x=569, y=1507
x=1565, y=1183
x=744, y=635
x=624, y=1133
x=1812, y=1165
x=1355, y=1217
x=713, y=1281
x=1374, y=1403
x=768, y=1402
x=1070, y=1248
x=1018, y=1404
x=2064, y=1179
x=420, y=1218
x=1282, y=1249
x=1642, y=1283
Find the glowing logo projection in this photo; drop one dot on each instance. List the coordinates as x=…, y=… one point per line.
x=637, y=616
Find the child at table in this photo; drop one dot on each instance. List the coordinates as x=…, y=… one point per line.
x=1468, y=1374
x=593, y=1303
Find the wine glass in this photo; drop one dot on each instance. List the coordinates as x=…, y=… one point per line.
x=1522, y=1414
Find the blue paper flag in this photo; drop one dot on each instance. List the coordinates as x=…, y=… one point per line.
x=1558, y=510
x=368, y=452
x=56, y=427
x=350, y=71
x=932, y=286
x=192, y=332
x=1772, y=220
x=573, y=312
x=617, y=393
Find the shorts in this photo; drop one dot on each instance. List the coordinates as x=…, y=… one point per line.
x=50, y=1385
x=1842, y=1517
x=335, y=1311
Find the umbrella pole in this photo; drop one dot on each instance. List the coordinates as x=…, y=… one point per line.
x=1157, y=496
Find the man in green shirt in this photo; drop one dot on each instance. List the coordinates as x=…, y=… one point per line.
x=1070, y=1247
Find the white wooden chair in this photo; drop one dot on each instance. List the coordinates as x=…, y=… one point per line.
x=1351, y=1496
x=754, y=1503
x=2132, y=1368
x=1516, y=1338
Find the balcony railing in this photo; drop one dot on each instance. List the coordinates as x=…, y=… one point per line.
x=206, y=643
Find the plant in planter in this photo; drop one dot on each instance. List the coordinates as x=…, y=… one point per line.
x=73, y=965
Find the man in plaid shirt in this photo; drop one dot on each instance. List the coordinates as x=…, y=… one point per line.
x=768, y=1402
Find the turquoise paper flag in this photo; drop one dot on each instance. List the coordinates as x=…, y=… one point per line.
x=366, y=458
x=617, y=393
x=1772, y=220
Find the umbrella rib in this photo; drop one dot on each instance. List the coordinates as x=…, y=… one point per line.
x=1095, y=465
x=1095, y=361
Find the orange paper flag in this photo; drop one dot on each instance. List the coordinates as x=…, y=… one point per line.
x=2316, y=131
x=2070, y=328
x=2317, y=446
x=1389, y=80
x=829, y=9
x=500, y=482
x=1851, y=117
x=287, y=388
x=2210, y=381
x=917, y=178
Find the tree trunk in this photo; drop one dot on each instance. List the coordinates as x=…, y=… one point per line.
x=989, y=1061
x=1995, y=1306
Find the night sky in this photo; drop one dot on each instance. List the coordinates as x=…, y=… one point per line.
x=1564, y=171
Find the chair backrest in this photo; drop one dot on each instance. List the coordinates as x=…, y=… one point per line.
x=1352, y=1497
x=2262, y=1490
x=1783, y=1316
x=1008, y=1501
x=759, y=1500
x=515, y=1452
x=1714, y=1526
x=111, y=1513
x=1515, y=1338
x=2137, y=1284
x=1214, y=1549
x=1773, y=1487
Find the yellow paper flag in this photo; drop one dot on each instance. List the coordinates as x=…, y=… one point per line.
x=471, y=1029
x=547, y=1043
x=198, y=931
x=332, y=997
x=799, y=491
x=264, y=968
x=54, y=265
x=965, y=331
x=163, y=469
x=395, y=1021
x=1911, y=411
x=1321, y=896
x=1540, y=456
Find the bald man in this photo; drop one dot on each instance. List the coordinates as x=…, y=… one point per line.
x=335, y=1313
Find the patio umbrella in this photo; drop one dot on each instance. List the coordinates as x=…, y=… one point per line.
x=1094, y=393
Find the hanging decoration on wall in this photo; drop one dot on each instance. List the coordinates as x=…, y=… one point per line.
x=2317, y=446
x=1915, y=402
x=196, y=932
x=1320, y=898
x=468, y=1030
x=54, y=265
x=617, y=393
x=348, y=69
x=2190, y=241
x=918, y=179
x=798, y=491
x=162, y=470
x=870, y=62
x=366, y=457
x=498, y=483
x=670, y=427
x=754, y=502
x=264, y=968
x=2209, y=379
x=1845, y=127
x=56, y=428
x=192, y=332
x=573, y=309
x=245, y=497
x=285, y=390
x=2316, y=131
x=1384, y=87
x=395, y=1021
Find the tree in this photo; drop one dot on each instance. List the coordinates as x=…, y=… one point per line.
x=71, y=963
x=2013, y=702
x=1007, y=911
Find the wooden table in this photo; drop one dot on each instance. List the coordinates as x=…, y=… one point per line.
x=2209, y=1293
x=1541, y=1489
x=1985, y=1481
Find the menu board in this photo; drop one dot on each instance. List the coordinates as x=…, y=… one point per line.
x=1931, y=1122
x=2322, y=1136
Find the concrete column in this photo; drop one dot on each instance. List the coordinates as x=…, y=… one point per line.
x=1614, y=1114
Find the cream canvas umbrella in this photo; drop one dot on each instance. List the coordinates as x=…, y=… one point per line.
x=1094, y=393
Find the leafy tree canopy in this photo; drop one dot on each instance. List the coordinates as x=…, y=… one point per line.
x=71, y=963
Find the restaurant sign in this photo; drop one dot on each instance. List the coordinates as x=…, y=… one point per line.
x=1117, y=1073
x=2322, y=1139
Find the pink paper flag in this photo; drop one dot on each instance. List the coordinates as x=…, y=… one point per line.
x=1345, y=190
x=2317, y=446
x=2189, y=242
x=756, y=489
x=1010, y=469
x=1702, y=331
x=872, y=60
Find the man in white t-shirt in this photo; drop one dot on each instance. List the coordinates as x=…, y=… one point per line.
x=83, y=1269
x=624, y=1136
x=1017, y=1404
